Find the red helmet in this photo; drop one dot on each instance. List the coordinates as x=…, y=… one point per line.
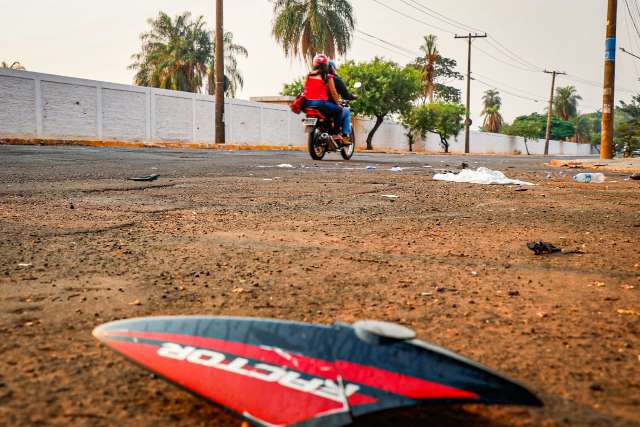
x=320, y=59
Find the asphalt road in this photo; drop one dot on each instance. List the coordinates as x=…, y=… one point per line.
x=35, y=163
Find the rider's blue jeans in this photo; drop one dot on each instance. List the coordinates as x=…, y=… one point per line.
x=341, y=115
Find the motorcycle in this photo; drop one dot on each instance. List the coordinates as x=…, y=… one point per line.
x=324, y=134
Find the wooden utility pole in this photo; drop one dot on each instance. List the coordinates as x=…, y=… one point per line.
x=553, y=88
x=467, y=122
x=219, y=74
x=608, y=100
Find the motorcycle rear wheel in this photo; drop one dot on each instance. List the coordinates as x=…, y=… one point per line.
x=316, y=148
x=347, y=152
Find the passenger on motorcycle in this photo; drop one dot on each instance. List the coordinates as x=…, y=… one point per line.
x=320, y=93
x=344, y=93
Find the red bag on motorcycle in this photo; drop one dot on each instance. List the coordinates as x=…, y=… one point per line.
x=296, y=106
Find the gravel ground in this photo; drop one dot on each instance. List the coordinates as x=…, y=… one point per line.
x=231, y=233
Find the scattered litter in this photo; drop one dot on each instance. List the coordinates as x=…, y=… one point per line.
x=267, y=179
x=396, y=169
x=286, y=166
x=390, y=196
x=370, y=167
x=147, y=178
x=635, y=177
x=628, y=312
x=428, y=166
x=480, y=176
x=136, y=302
x=589, y=177
x=541, y=248
x=24, y=265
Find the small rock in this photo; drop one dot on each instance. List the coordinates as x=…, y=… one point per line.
x=136, y=302
x=596, y=387
x=514, y=293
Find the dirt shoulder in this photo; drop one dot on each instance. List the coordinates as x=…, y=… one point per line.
x=630, y=166
x=316, y=243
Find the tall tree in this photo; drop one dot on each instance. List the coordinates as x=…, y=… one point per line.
x=177, y=54
x=431, y=55
x=492, y=102
x=15, y=65
x=388, y=89
x=565, y=102
x=305, y=28
x=444, y=71
x=443, y=119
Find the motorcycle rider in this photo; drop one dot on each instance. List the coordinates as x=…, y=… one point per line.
x=320, y=92
x=344, y=93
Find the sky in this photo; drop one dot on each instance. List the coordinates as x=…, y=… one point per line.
x=95, y=40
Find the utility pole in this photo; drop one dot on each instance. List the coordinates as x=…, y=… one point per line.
x=467, y=122
x=608, y=99
x=553, y=88
x=219, y=74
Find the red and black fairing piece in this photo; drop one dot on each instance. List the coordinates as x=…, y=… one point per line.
x=276, y=373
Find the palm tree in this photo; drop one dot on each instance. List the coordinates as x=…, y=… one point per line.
x=233, y=77
x=177, y=54
x=493, y=120
x=14, y=66
x=431, y=55
x=305, y=28
x=565, y=103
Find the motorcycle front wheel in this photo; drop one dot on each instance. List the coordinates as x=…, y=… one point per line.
x=316, y=147
x=347, y=152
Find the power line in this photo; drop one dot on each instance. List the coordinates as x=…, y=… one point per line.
x=529, y=95
x=436, y=15
x=384, y=47
x=493, y=42
x=507, y=91
x=515, y=55
x=395, y=46
x=626, y=2
x=412, y=18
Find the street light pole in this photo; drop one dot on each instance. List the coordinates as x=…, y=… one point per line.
x=219, y=75
x=608, y=98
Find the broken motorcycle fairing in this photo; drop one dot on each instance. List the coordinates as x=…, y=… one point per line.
x=276, y=373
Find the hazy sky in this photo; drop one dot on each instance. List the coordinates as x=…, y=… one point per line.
x=95, y=39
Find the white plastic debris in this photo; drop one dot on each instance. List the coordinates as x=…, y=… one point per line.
x=24, y=265
x=390, y=196
x=286, y=165
x=371, y=167
x=479, y=176
x=267, y=179
x=396, y=169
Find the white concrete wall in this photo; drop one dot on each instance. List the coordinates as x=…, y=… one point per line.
x=48, y=106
